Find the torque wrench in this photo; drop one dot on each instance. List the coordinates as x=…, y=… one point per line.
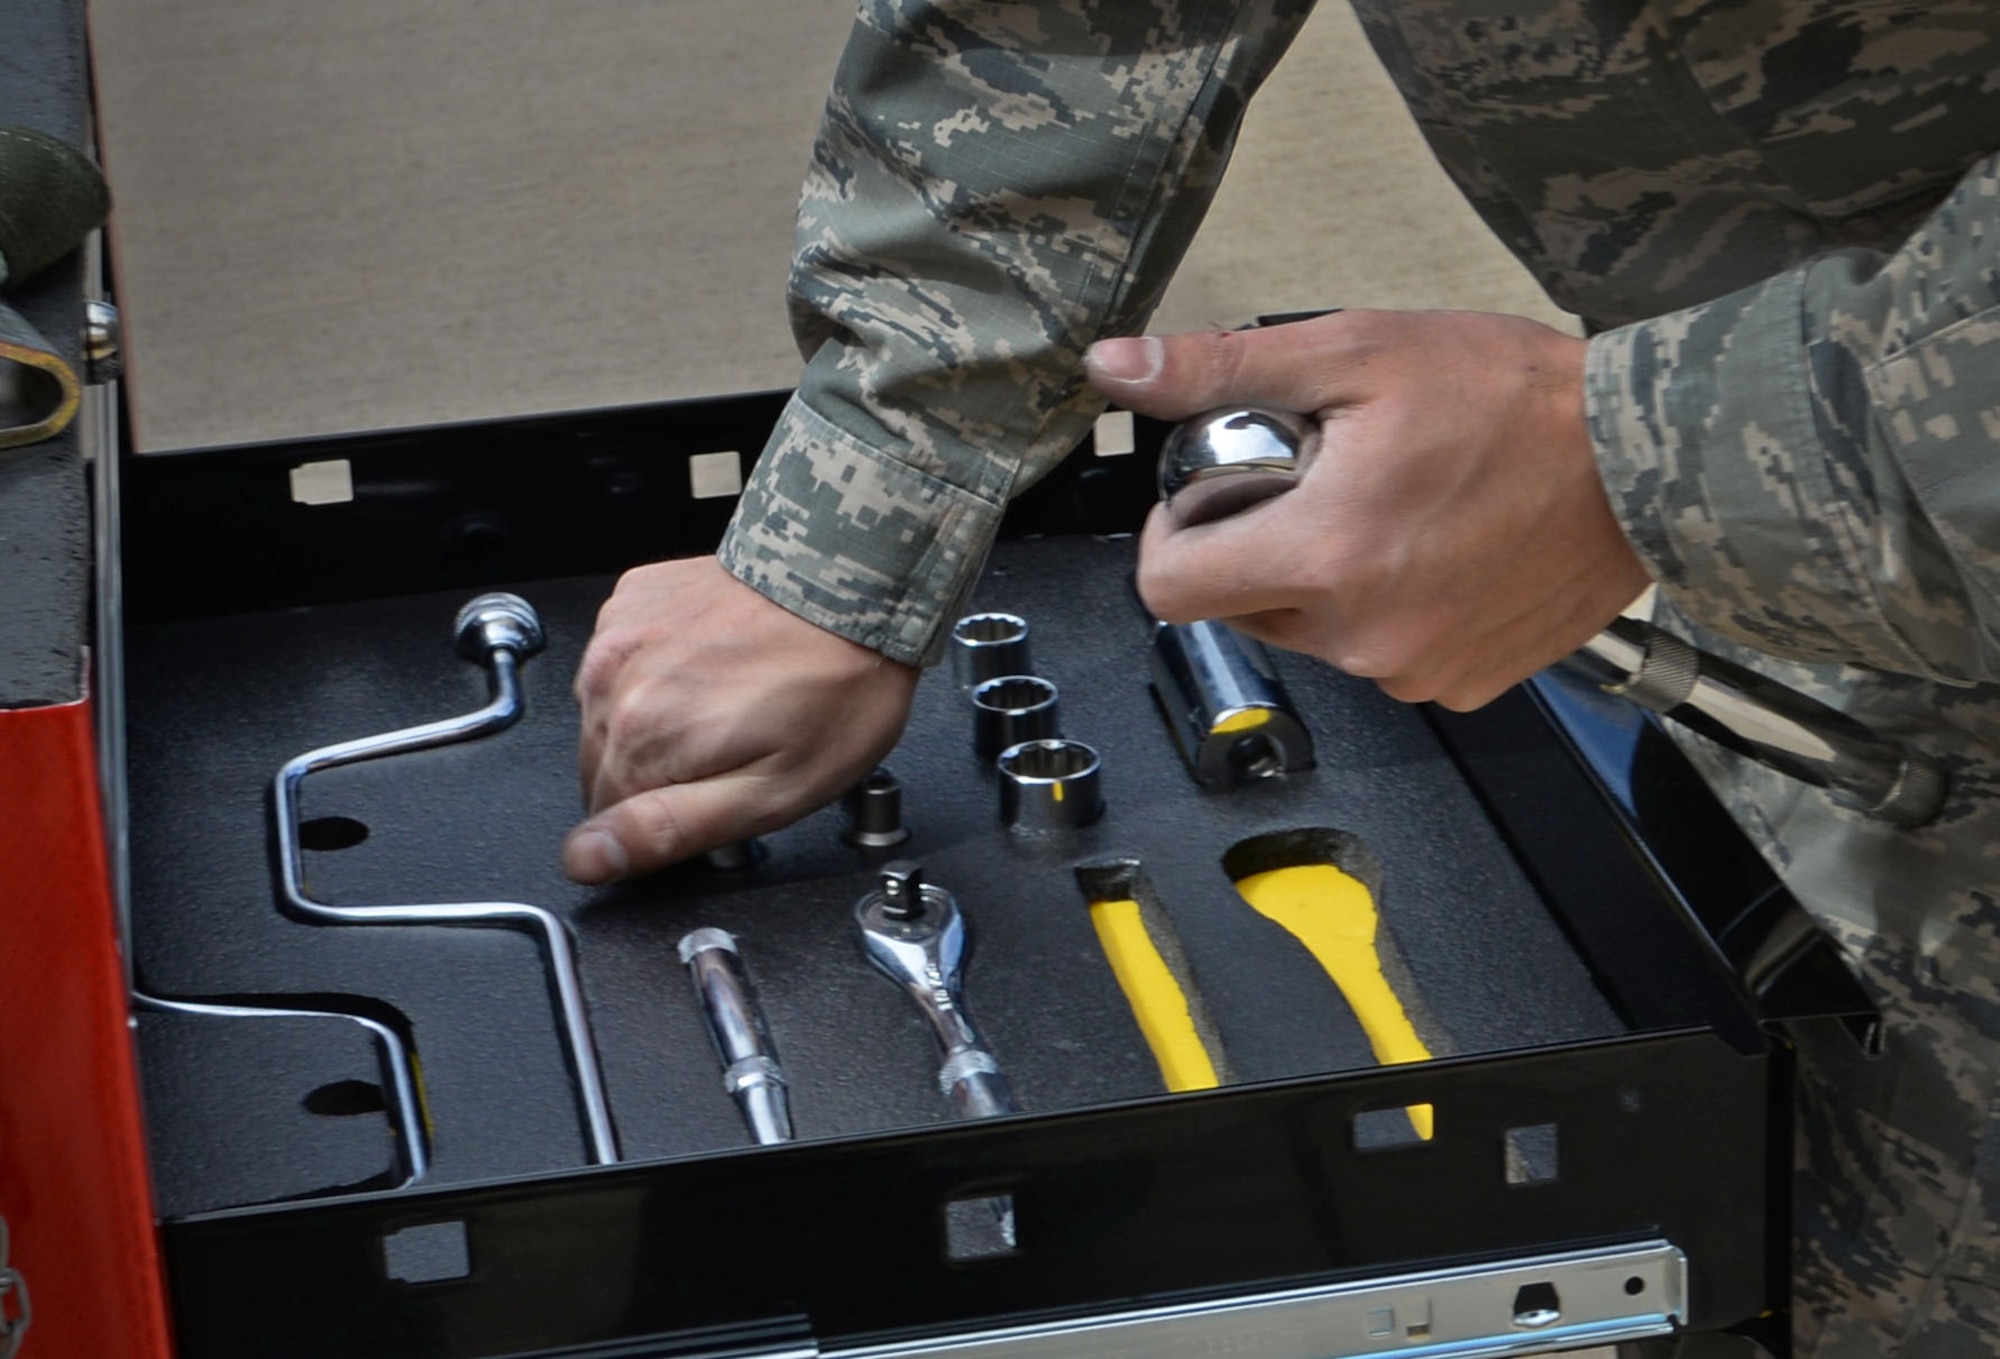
x=913, y=933
x=499, y=630
x=1224, y=461
x=750, y=1070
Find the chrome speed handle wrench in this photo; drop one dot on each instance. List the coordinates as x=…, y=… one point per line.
x=1224, y=461
x=499, y=630
x=404, y=1105
x=913, y=933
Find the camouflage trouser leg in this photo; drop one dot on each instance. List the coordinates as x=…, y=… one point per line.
x=1694, y=1345
x=1897, y=1193
x=1897, y=1244
x=1897, y=1251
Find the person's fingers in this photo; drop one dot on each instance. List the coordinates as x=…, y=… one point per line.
x=593, y=855
x=589, y=759
x=594, y=687
x=1298, y=367
x=654, y=739
x=1248, y=563
x=661, y=826
x=636, y=753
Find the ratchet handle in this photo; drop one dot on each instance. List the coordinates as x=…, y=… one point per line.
x=974, y=1084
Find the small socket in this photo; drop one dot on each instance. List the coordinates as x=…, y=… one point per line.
x=875, y=812
x=986, y=646
x=1011, y=709
x=1049, y=785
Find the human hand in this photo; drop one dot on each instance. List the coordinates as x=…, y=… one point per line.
x=1450, y=535
x=712, y=714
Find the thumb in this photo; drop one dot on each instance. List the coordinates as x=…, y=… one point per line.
x=650, y=830
x=1170, y=377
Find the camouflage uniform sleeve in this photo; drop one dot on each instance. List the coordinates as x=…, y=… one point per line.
x=1812, y=465
x=994, y=187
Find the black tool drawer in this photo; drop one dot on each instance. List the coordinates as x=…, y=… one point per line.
x=1596, y=1154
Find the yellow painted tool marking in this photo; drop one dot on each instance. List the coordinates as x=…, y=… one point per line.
x=1334, y=916
x=423, y=1097
x=1157, y=1000
x=1245, y=719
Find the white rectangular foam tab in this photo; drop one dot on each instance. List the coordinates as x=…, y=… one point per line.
x=1113, y=436
x=714, y=475
x=323, y=483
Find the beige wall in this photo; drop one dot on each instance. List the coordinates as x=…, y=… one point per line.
x=373, y=213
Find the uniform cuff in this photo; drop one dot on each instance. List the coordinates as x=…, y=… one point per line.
x=1706, y=437
x=857, y=542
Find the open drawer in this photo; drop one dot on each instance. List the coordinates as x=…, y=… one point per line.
x=1588, y=1156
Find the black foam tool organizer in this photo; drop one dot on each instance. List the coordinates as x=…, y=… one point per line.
x=1565, y=976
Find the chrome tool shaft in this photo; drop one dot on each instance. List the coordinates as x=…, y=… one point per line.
x=750, y=1070
x=1225, y=461
x=500, y=630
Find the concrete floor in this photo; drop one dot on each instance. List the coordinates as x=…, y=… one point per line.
x=374, y=214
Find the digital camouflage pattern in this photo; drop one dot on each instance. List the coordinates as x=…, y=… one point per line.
x=994, y=187
x=1784, y=218
x=1898, y=1243
x=1797, y=207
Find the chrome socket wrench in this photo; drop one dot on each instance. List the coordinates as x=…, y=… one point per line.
x=1227, y=709
x=1757, y=717
x=1224, y=461
x=500, y=630
x=750, y=1070
x=1049, y=786
x=914, y=935
x=1011, y=709
x=986, y=646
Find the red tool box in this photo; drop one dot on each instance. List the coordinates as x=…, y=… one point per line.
x=80, y=1274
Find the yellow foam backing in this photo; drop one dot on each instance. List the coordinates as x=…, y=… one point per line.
x=1157, y=1001
x=1333, y=914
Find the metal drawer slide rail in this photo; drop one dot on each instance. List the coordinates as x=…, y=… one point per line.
x=1517, y=1307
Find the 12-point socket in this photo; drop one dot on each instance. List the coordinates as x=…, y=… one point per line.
x=1049, y=785
x=986, y=646
x=1011, y=709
